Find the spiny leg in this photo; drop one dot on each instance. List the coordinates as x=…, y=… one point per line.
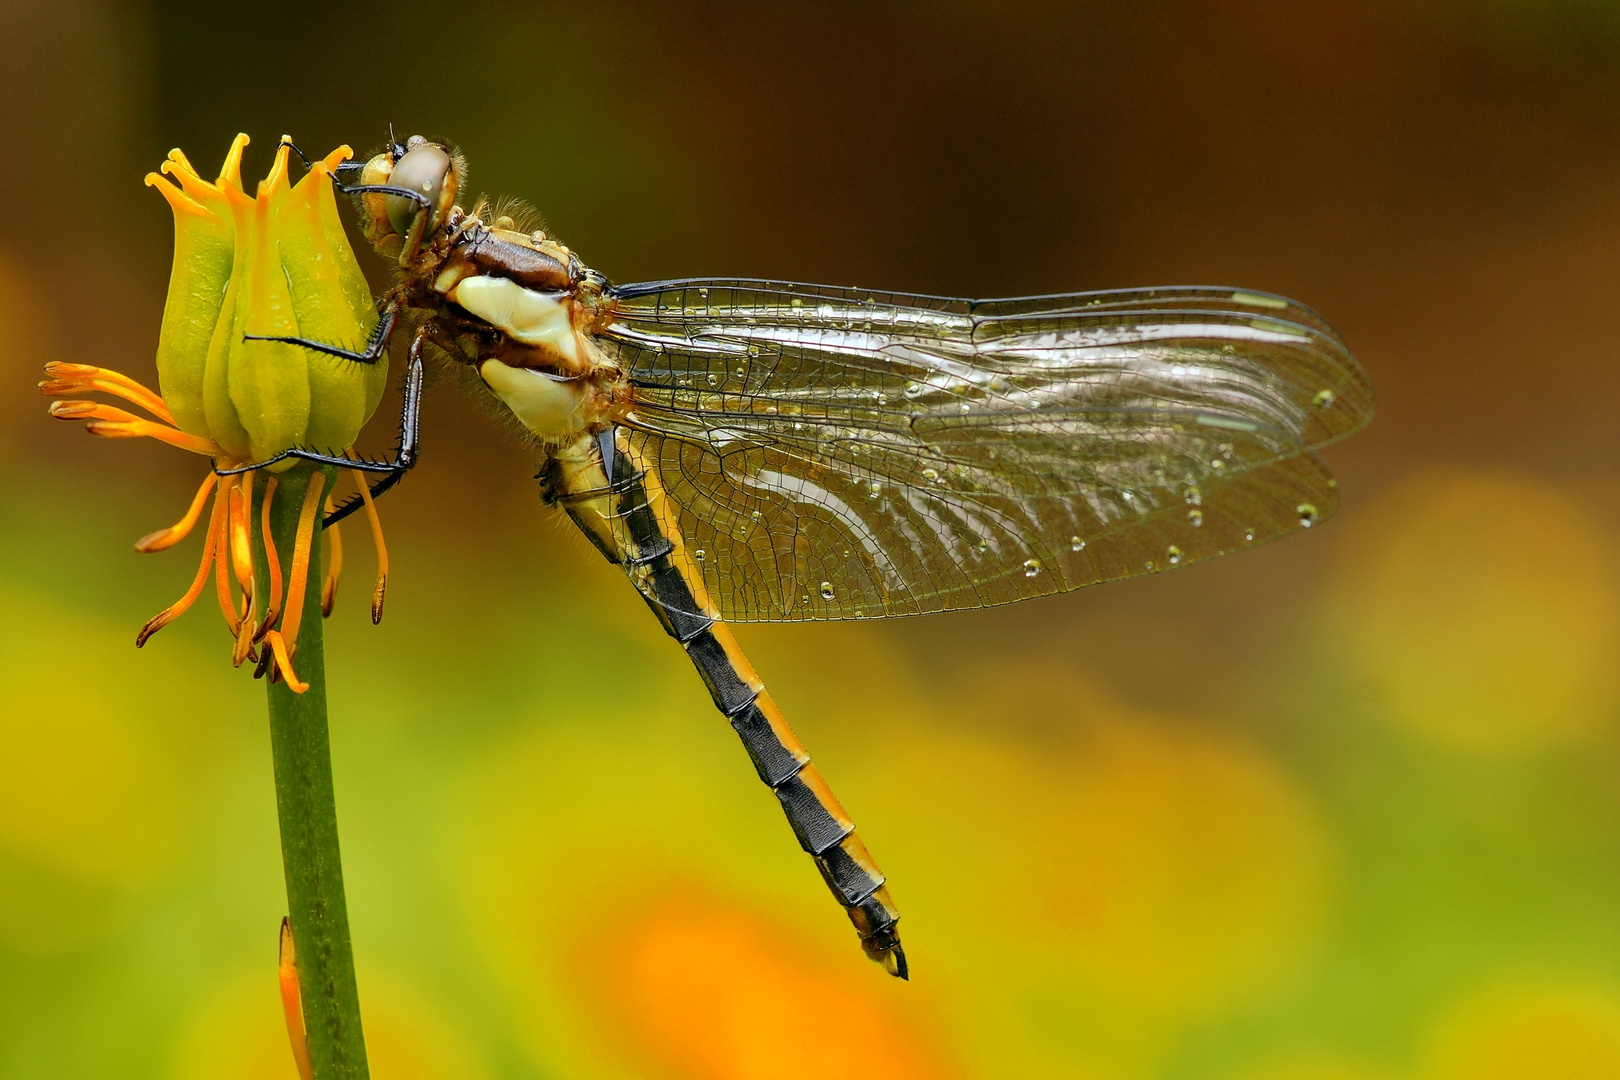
x=396, y=150
x=404, y=457
x=409, y=431
x=376, y=349
x=289, y=144
x=383, y=189
x=337, y=170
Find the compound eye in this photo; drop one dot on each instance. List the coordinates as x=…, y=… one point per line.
x=425, y=168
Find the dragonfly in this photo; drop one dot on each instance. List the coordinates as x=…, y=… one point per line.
x=769, y=451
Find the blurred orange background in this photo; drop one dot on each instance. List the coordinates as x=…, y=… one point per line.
x=1342, y=809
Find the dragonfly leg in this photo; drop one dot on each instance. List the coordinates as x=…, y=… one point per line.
x=404, y=457
x=375, y=350
x=289, y=144
x=383, y=189
x=350, y=167
x=393, y=468
x=355, y=166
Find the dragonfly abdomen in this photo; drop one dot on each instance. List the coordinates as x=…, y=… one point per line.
x=824, y=830
x=623, y=520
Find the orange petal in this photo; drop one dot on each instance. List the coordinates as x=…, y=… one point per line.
x=164, y=538
x=85, y=376
x=178, y=608
x=300, y=566
x=241, y=538
x=273, y=609
x=278, y=645
x=292, y=1002
x=377, y=540
x=222, y=569
x=334, y=566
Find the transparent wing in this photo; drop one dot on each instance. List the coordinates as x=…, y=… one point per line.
x=836, y=453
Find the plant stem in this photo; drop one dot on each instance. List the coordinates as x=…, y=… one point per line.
x=308, y=815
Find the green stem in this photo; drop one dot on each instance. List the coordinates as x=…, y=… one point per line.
x=308, y=813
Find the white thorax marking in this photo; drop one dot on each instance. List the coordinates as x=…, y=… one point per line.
x=525, y=316
x=550, y=407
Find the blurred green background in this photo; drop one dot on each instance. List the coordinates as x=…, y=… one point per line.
x=1342, y=809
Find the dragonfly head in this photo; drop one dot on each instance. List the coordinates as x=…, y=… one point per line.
x=397, y=223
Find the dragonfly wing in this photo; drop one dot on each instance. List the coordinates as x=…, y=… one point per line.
x=836, y=453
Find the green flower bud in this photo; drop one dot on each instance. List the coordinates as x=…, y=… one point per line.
x=276, y=265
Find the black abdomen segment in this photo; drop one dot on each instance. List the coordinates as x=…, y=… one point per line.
x=621, y=520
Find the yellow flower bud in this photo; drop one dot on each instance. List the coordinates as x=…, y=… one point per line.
x=277, y=264
x=274, y=265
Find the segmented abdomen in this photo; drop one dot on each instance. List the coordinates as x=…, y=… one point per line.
x=623, y=519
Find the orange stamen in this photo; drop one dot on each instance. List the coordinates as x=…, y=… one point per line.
x=274, y=608
x=334, y=565
x=66, y=377
x=286, y=639
x=146, y=428
x=177, y=532
x=382, y=548
x=241, y=514
x=222, y=569
x=178, y=608
x=241, y=539
x=284, y=662
x=292, y=1003
x=244, y=634
x=78, y=410
x=114, y=423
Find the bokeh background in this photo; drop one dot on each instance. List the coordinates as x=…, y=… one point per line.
x=1346, y=808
